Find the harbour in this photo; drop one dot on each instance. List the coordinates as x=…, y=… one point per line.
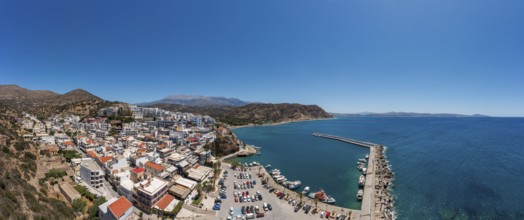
x=373, y=185
x=377, y=200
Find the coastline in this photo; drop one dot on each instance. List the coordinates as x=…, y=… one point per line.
x=378, y=199
x=278, y=123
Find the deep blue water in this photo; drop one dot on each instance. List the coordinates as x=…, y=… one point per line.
x=444, y=168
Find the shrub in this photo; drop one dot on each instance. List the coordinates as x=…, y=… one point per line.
x=78, y=205
x=55, y=174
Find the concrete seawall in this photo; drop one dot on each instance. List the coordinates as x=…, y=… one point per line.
x=377, y=202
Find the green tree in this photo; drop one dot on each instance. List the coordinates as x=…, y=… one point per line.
x=235, y=164
x=199, y=189
x=93, y=210
x=78, y=205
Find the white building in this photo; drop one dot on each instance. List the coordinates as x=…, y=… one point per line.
x=91, y=173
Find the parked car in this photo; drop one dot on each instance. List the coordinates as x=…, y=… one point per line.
x=269, y=207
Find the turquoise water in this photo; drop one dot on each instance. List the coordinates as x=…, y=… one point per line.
x=445, y=168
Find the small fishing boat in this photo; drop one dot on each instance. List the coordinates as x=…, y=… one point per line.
x=306, y=190
x=360, y=194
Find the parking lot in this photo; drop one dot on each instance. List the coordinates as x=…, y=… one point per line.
x=281, y=208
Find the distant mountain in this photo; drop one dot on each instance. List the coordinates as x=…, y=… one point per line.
x=197, y=101
x=47, y=103
x=254, y=113
x=405, y=114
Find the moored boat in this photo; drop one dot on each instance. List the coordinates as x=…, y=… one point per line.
x=360, y=194
x=293, y=184
x=322, y=197
x=306, y=190
x=361, y=180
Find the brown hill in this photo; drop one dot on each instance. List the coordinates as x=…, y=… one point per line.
x=21, y=197
x=45, y=103
x=254, y=113
x=17, y=92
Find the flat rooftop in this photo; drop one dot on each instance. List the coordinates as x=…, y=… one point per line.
x=90, y=164
x=151, y=186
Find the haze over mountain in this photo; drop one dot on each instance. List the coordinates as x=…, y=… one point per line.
x=197, y=101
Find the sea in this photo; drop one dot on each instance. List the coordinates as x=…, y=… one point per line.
x=445, y=168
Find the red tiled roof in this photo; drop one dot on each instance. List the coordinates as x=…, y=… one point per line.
x=105, y=159
x=68, y=143
x=90, y=141
x=154, y=166
x=120, y=206
x=191, y=139
x=138, y=169
x=92, y=154
x=164, y=201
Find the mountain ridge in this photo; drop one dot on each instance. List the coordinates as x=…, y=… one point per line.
x=197, y=101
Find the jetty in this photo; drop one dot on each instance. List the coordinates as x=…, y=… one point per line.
x=344, y=139
x=377, y=202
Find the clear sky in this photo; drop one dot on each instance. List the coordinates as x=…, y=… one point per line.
x=457, y=56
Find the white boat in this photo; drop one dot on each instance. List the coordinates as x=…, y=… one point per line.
x=360, y=194
x=281, y=179
x=361, y=180
x=367, y=156
x=293, y=184
x=306, y=190
x=362, y=160
x=364, y=171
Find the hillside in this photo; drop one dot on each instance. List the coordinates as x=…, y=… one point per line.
x=45, y=103
x=197, y=101
x=20, y=197
x=254, y=113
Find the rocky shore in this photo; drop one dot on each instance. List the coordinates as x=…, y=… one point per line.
x=383, y=198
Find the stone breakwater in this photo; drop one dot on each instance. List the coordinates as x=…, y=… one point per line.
x=383, y=199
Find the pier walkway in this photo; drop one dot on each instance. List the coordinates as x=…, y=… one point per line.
x=368, y=209
x=348, y=140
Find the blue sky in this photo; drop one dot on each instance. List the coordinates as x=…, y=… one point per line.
x=434, y=56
